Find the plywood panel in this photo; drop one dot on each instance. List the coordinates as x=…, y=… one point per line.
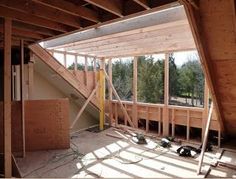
x=47, y=124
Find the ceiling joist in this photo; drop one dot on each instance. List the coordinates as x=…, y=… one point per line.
x=143, y=3
x=32, y=19
x=39, y=10
x=108, y=5
x=71, y=8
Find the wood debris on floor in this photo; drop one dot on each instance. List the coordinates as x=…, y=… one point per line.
x=112, y=154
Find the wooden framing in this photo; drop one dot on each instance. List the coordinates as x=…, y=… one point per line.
x=204, y=57
x=135, y=87
x=118, y=98
x=110, y=92
x=71, y=8
x=31, y=76
x=166, y=97
x=22, y=74
x=205, y=140
x=86, y=70
x=110, y=6
x=7, y=98
x=84, y=106
x=102, y=94
x=143, y=3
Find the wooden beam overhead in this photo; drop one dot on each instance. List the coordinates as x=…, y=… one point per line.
x=71, y=8
x=143, y=3
x=24, y=33
x=108, y=5
x=161, y=18
x=40, y=10
x=35, y=29
x=32, y=19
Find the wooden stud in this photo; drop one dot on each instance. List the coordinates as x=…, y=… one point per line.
x=206, y=107
x=102, y=94
x=219, y=137
x=84, y=106
x=205, y=140
x=31, y=76
x=166, y=98
x=110, y=91
x=7, y=98
x=22, y=74
x=86, y=70
x=173, y=122
x=118, y=98
x=76, y=63
x=116, y=115
x=147, y=120
x=159, y=122
x=135, y=96
x=188, y=125
x=64, y=59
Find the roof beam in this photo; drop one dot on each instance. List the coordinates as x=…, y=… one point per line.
x=161, y=18
x=31, y=19
x=108, y=5
x=71, y=8
x=143, y=3
x=42, y=11
x=24, y=33
x=33, y=28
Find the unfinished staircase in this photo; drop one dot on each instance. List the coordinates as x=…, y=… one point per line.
x=214, y=28
x=64, y=79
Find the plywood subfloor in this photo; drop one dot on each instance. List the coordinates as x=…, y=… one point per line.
x=109, y=157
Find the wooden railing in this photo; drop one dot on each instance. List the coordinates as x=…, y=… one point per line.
x=190, y=117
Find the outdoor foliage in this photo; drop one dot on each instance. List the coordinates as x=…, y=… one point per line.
x=186, y=83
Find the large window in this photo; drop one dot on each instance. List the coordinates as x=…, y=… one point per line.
x=186, y=79
x=122, y=77
x=151, y=78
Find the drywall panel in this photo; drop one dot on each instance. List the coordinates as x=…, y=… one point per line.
x=44, y=89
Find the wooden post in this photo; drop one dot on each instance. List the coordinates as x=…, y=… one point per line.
x=173, y=122
x=64, y=58
x=102, y=94
x=206, y=107
x=22, y=75
x=76, y=63
x=118, y=98
x=86, y=70
x=135, y=96
x=7, y=98
x=31, y=76
x=205, y=140
x=159, y=122
x=110, y=91
x=166, y=98
x=84, y=106
x=188, y=125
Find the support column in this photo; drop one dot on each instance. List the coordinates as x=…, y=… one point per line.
x=86, y=70
x=31, y=76
x=7, y=98
x=165, y=119
x=110, y=92
x=135, y=96
x=102, y=94
x=22, y=79
x=206, y=107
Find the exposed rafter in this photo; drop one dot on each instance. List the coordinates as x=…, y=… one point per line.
x=71, y=8
x=108, y=5
x=32, y=19
x=24, y=33
x=143, y=3
x=39, y=10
